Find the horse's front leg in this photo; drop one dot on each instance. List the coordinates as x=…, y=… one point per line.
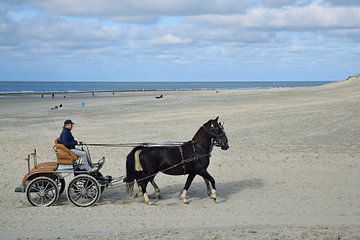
x=157, y=189
x=189, y=180
x=208, y=188
x=208, y=177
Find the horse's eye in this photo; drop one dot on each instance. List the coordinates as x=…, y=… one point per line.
x=212, y=125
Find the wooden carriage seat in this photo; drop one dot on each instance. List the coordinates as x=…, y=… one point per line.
x=63, y=154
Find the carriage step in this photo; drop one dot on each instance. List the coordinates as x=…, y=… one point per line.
x=20, y=189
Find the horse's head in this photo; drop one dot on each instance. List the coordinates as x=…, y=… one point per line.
x=216, y=131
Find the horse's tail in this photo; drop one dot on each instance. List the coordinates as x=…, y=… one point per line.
x=130, y=170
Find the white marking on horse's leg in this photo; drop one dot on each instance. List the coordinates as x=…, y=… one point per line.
x=139, y=192
x=213, y=195
x=183, y=197
x=147, y=199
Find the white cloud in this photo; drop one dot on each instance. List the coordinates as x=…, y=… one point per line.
x=305, y=17
x=169, y=39
x=153, y=8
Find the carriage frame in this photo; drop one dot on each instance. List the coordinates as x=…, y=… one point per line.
x=45, y=182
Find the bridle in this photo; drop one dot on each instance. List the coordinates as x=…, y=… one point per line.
x=218, y=138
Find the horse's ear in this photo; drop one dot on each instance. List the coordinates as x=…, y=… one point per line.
x=216, y=119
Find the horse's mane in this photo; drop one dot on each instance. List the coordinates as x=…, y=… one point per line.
x=197, y=136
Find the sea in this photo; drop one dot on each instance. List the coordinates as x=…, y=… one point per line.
x=35, y=87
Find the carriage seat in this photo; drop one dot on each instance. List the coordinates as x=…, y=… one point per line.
x=63, y=154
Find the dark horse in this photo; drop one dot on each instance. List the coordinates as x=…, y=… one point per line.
x=192, y=158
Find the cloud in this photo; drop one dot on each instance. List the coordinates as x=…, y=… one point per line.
x=169, y=39
x=288, y=18
x=154, y=8
x=138, y=38
x=343, y=2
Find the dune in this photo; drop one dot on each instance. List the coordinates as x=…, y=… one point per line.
x=292, y=170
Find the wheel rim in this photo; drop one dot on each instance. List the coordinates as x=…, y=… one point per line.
x=42, y=192
x=83, y=191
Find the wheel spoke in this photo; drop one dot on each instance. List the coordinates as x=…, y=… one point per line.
x=34, y=189
x=46, y=185
x=37, y=199
x=77, y=195
x=46, y=197
x=91, y=185
x=50, y=197
x=86, y=183
x=50, y=189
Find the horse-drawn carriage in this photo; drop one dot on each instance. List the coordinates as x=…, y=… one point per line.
x=45, y=182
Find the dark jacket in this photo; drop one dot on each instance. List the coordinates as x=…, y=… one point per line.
x=67, y=138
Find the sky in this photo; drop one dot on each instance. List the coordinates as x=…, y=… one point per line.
x=179, y=40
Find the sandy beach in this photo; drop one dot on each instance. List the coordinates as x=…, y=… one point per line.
x=292, y=170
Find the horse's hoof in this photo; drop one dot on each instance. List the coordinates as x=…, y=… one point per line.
x=186, y=201
x=158, y=197
x=214, y=200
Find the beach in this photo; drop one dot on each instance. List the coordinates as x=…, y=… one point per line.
x=292, y=170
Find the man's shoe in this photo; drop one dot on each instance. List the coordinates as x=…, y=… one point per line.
x=92, y=170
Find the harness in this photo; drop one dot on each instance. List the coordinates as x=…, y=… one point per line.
x=191, y=159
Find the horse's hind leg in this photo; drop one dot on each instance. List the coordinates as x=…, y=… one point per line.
x=157, y=189
x=189, y=180
x=139, y=192
x=208, y=177
x=143, y=185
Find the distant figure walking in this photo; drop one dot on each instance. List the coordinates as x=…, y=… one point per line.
x=52, y=95
x=93, y=94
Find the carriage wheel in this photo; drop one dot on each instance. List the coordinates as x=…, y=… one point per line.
x=42, y=192
x=83, y=191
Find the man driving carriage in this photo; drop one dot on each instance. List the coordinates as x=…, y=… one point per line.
x=67, y=139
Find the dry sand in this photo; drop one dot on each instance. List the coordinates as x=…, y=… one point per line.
x=292, y=170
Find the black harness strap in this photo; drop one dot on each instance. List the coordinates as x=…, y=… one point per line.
x=182, y=158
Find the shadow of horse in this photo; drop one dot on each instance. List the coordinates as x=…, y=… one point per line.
x=197, y=191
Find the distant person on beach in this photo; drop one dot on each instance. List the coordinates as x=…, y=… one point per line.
x=68, y=140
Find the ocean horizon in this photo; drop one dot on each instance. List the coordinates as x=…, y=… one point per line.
x=77, y=86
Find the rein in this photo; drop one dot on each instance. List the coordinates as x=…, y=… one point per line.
x=160, y=144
